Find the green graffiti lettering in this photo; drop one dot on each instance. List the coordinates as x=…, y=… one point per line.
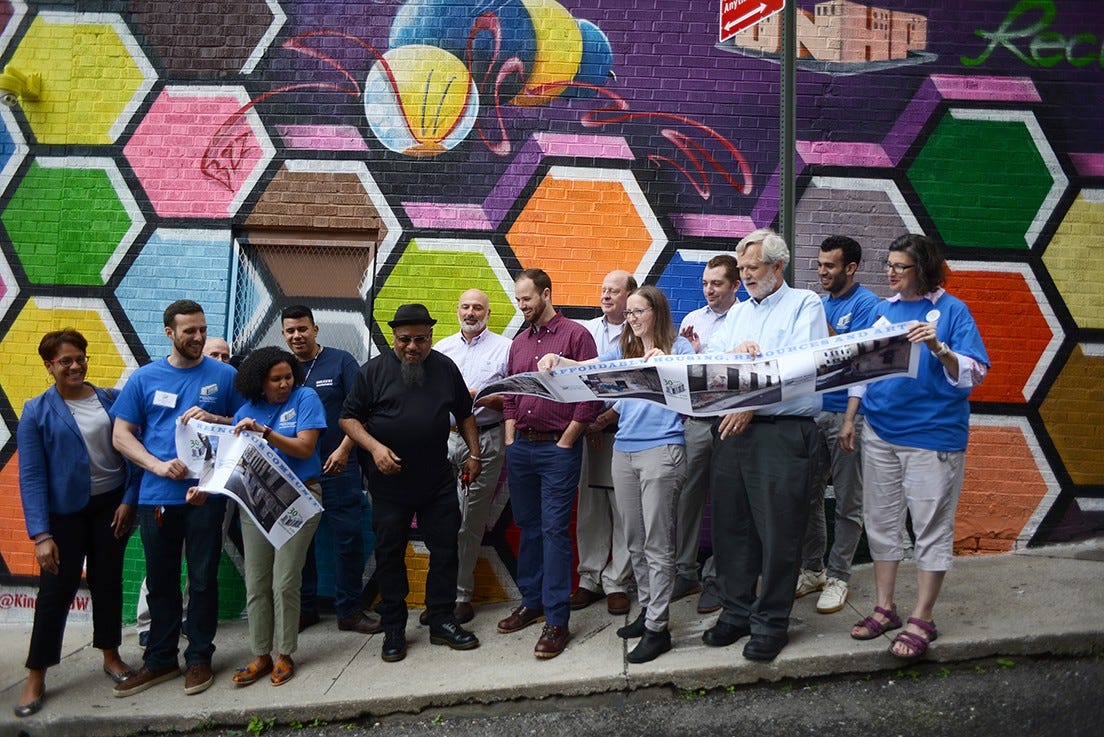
x=1048, y=41
x=1006, y=34
x=1082, y=61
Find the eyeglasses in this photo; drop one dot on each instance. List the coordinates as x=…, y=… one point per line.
x=634, y=313
x=415, y=339
x=899, y=269
x=68, y=362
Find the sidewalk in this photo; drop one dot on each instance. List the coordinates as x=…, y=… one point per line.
x=1048, y=600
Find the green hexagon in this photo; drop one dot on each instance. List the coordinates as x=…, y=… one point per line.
x=66, y=222
x=437, y=277
x=994, y=162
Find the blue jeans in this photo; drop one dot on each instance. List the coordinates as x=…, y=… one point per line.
x=544, y=479
x=344, y=501
x=166, y=532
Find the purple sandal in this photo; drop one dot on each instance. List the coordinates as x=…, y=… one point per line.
x=916, y=644
x=875, y=627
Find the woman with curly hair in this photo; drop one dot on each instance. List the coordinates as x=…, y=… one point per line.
x=290, y=417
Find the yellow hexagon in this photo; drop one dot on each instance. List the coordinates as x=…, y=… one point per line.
x=1073, y=258
x=93, y=76
x=22, y=374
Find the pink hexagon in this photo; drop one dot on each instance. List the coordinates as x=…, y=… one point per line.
x=198, y=151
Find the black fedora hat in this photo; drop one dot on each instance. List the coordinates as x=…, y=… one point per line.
x=413, y=314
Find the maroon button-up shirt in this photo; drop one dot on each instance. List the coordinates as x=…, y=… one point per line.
x=570, y=340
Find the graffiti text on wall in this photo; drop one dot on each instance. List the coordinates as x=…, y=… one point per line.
x=1036, y=46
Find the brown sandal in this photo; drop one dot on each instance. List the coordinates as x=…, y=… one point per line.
x=283, y=672
x=251, y=673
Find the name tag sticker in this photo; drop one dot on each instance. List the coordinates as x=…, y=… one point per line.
x=164, y=399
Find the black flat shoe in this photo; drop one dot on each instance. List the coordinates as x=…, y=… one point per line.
x=633, y=629
x=31, y=707
x=724, y=634
x=765, y=647
x=452, y=634
x=650, y=647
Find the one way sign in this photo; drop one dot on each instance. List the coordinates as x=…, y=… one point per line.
x=739, y=15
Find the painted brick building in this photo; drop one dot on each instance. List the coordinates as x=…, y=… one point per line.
x=361, y=154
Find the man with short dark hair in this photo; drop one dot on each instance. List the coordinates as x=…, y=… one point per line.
x=398, y=415
x=331, y=372
x=543, y=457
x=763, y=460
x=719, y=282
x=185, y=385
x=849, y=306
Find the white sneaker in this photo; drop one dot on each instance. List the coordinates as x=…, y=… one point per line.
x=833, y=597
x=809, y=581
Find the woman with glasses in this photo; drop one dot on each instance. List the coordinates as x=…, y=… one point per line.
x=914, y=441
x=290, y=417
x=649, y=467
x=79, y=499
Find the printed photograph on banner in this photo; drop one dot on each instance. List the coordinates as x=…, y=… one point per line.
x=256, y=484
x=635, y=383
x=717, y=387
x=855, y=363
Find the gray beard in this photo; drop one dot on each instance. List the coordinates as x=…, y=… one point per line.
x=413, y=374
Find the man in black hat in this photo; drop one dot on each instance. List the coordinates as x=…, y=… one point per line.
x=398, y=415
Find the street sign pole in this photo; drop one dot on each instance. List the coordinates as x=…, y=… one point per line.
x=787, y=189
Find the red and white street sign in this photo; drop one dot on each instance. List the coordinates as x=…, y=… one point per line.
x=739, y=15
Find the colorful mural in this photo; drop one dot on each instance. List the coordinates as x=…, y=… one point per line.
x=361, y=154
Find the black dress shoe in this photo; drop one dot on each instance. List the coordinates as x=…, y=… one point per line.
x=452, y=634
x=650, y=647
x=31, y=707
x=633, y=629
x=394, y=645
x=724, y=634
x=765, y=647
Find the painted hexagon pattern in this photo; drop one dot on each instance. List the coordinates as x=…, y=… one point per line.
x=1073, y=258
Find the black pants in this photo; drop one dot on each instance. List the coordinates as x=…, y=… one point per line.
x=87, y=534
x=439, y=522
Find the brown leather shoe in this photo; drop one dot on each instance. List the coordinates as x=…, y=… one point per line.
x=618, y=603
x=552, y=641
x=145, y=678
x=584, y=597
x=198, y=678
x=464, y=612
x=519, y=619
x=366, y=623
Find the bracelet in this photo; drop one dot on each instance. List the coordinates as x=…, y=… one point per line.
x=944, y=349
x=267, y=431
x=44, y=539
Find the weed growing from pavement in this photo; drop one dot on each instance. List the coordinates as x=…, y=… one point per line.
x=259, y=725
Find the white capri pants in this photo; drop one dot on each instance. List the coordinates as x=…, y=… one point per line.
x=926, y=483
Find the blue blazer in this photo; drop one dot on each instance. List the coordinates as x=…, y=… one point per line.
x=54, y=470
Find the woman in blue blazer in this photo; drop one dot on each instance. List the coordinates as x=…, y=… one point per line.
x=78, y=502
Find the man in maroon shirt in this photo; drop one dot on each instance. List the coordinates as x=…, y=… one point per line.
x=543, y=457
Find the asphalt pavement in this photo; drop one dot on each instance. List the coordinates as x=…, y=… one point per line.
x=1039, y=602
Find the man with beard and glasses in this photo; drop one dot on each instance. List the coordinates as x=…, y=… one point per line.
x=398, y=415
x=763, y=459
x=185, y=385
x=481, y=356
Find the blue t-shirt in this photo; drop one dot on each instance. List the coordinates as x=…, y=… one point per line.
x=927, y=412
x=854, y=310
x=644, y=424
x=302, y=411
x=157, y=394
x=332, y=374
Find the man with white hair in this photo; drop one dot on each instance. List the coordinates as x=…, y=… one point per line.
x=763, y=460
x=482, y=356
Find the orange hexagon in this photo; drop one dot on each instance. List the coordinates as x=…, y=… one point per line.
x=996, y=505
x=579, y=225
x=16, y=550
x=1004, y=300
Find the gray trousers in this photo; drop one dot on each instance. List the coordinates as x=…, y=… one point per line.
x=647, y=484
x=603, y=554
x=691, y=502
x=475, y=502
x=846, y=473
x=760, y=508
